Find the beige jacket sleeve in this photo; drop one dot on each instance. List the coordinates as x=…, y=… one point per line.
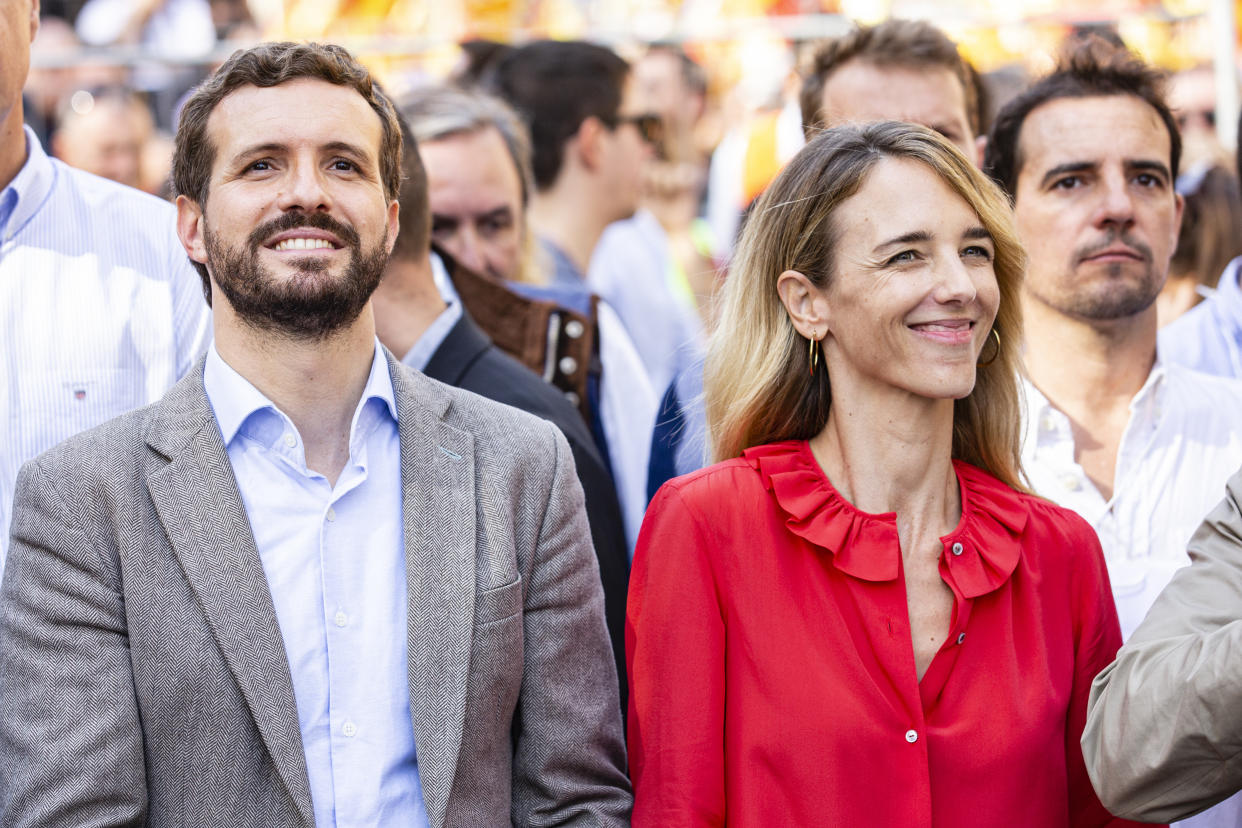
x=1164, y=721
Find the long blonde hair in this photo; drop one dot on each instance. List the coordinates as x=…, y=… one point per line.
x=756, y=384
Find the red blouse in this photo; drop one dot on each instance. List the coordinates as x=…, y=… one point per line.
x=772, y=677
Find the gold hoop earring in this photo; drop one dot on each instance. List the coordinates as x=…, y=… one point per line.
x=812, y=357
x=993, y=335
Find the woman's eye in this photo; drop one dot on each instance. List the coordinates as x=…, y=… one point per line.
x=903, y=256
x=979, y=251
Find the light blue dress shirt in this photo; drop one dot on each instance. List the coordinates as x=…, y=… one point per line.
x=100, y=309
x=1208, y=337
x=334, y=558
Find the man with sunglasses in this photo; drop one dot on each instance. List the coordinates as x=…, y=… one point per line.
x=590, y=139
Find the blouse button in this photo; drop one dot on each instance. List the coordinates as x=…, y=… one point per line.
x=912, y=736
x=961, y=637
x=957, y=549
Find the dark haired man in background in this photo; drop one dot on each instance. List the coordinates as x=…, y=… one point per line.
x=900, y=70
x=310, y=586
x=1138, y=447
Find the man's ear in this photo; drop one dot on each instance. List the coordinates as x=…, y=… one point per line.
x=588, y=142
x=805, y=303
x=34, y=18
x=394, y=223
x=191, y=229
x=1179, y=202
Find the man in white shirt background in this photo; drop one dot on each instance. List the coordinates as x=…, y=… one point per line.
x=100, y=311
x=1138, y=447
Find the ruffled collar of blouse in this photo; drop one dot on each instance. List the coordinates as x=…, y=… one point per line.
x=866, y=545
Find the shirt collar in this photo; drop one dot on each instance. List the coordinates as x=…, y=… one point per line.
x=984, y=545
x=236, y=401
x=28, y=190
x=425, y=348
x=1146, y=407
x=564, y=272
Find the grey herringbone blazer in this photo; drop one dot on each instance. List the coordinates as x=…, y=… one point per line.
x=143, y=678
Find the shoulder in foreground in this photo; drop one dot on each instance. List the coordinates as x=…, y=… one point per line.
x=479, y=416
x=726, y=478
x=103, y=451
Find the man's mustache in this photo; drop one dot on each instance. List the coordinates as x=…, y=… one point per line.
x=1114, y=236
x=292, y=221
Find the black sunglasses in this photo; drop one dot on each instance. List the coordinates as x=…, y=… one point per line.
x=649, y=125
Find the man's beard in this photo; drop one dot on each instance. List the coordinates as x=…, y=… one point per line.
x=311, y=304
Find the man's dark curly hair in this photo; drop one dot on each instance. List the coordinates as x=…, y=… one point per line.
x=1091, y=68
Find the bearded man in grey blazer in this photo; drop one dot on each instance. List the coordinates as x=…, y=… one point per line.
x=310, y=587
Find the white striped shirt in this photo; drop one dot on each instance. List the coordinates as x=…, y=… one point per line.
x=100, y=308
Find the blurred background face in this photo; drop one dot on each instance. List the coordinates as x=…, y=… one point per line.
x=627, y=152
x=477, y=215
x=1192, y=97
x=660, y=80
x=861, y=92
x=109, y=140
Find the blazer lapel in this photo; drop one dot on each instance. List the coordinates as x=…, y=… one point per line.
x=200, y=507
x=461, y=347
x=438, y=502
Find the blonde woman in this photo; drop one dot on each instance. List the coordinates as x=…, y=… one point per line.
x=859, y=617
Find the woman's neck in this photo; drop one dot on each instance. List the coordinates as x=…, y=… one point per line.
x=891, y=451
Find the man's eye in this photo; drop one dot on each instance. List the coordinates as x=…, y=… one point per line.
x=259, y=166
x=1148, y=180
x=1069, y=182
x=490, y=227
x=903, y=257
x=342, y=165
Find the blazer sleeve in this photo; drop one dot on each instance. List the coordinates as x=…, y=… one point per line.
x=569, y=754
x=71, y=748
x=1163, y=738
x=675, y=647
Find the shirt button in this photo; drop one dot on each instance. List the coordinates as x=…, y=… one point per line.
x=1047, y=423
x=331, y=516
x=912, y=736
x=290, y=440
x=340, y=619
x=1071, y=482
x=574, y=329
x=957, y=550
x=961, y=637
x=567, y=365
x=350, y=730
